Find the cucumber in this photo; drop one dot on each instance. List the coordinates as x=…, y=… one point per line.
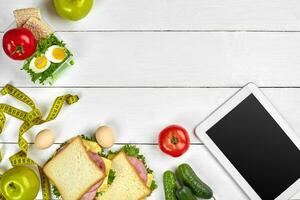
x=170, y=185
x=188, y=177
x=184, y=193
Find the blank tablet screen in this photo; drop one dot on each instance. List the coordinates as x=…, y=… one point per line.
x=258, y=148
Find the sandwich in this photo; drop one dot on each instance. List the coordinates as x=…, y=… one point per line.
x=133, y=179
x=77, y=171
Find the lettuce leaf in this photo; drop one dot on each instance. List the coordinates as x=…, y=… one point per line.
x=153, y=185
x=111, y=177
x=55, y=191
x=91, y=138
x=130, y=150
x=42, y=47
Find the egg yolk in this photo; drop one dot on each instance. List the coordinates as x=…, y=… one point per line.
x=58, y=53
x=40, y=62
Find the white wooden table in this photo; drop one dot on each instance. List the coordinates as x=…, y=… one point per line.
x=142, y=65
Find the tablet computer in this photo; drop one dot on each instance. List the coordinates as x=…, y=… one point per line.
x=254, y=144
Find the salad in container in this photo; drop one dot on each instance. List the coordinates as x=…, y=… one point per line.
x=45, y=55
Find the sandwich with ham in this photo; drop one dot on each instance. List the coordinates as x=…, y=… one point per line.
x=133, y=179
x=77, y=170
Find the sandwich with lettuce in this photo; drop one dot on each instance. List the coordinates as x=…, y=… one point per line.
x=77, y=171
x=133, y=180
x=80, y=170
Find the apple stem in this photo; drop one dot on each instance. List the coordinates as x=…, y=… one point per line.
x=12, y=185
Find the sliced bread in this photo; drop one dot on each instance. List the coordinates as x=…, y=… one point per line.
x=72, y=171
x=127, y=184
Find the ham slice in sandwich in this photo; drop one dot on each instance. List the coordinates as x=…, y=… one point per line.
x=91, y=194
x=76, y=170
x=133, y=180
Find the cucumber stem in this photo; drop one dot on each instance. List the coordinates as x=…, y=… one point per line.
x=214, y=198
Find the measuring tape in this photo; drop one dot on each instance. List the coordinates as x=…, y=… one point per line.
x=30, y=119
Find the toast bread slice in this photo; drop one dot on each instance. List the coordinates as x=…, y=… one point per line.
x=127, y=184
x=72, y=171
x=22, y=15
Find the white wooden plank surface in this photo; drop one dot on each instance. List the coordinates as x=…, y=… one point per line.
x=138, y=43
x=138, y=114
x=174, y=59
x=171, y=15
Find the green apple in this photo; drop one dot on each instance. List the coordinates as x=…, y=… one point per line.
x=73, y=9
x=19, y=183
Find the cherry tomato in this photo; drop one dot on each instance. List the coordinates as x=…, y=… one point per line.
x=174, y=140
x=19, y=43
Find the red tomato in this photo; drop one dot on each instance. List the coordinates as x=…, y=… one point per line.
x=19, y=43
x=174, y=140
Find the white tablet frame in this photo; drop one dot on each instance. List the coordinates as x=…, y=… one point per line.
x=223, y=110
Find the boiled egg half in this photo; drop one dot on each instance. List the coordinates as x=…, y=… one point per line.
x=56, y=54
x=39, y=64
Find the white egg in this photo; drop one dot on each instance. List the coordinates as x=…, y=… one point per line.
x=105, y=136
x=39, y=64
x=56, y=54
x=44, y=139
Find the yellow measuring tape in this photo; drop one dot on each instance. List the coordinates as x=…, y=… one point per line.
x=30, y=119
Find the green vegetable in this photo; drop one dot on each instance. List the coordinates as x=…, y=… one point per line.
x=55, y=191
x=110, y=154
x=91, y=138
x=130, y=150
x=188, y=177
x=98, y=194
x=170, y=185
x=42, y=46
x=111, y=176
x=184, y=193
x=153, y=185
x=102, y=154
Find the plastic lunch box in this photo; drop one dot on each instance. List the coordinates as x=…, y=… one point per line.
x=64, y=66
